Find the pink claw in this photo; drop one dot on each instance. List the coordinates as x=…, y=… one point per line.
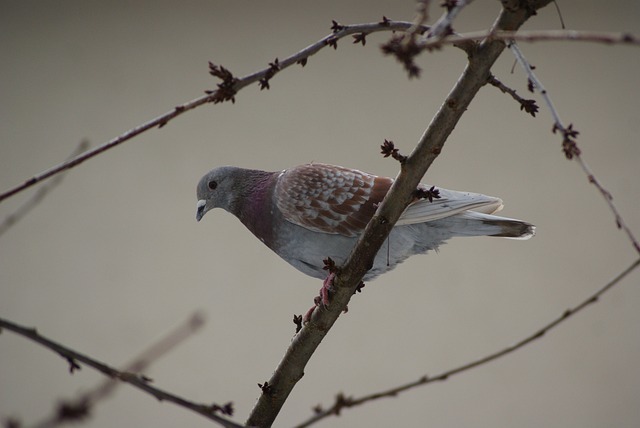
x=327, y=284
x=307, y=316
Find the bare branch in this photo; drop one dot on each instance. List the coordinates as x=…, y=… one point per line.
x=527, y=105
x=607, y=38
x=462, y=41
x=222, y=93
x=569, y=144
x=40, y=194
x=343, y=402
x=128, y=375
x=291, y=368
x=442, y=27
x=405, y=48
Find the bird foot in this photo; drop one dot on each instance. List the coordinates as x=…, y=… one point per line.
x=307, y=316
x=327, y=287
x=324, y=297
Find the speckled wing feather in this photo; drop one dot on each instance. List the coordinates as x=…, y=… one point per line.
x=336, y=200
x=328, y=198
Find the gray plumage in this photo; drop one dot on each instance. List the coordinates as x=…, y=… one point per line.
x=314, y=211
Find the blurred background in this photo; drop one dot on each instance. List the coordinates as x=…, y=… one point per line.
x=113, y=258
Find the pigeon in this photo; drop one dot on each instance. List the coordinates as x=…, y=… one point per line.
x=312, y=212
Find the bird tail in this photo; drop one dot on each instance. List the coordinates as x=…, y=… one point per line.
x=472, y=223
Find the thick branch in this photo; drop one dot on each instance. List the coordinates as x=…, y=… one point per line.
x=476, y=74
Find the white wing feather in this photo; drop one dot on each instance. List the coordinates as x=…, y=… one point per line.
x=451, y=202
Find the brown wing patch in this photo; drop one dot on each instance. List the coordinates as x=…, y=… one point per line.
x=328, y=198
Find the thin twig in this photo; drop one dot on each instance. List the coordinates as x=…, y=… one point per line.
x=604, y=37
x=39, y=195
x=572, y=151
x=559, y=14
x=527, y=105
x=343, y=402
x=128, y=375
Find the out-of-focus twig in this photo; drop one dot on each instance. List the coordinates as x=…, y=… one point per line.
x=40, y=194
x=442, y=27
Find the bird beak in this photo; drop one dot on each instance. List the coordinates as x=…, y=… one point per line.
x=200, y=209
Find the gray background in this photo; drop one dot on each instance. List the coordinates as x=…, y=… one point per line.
x=114, y=258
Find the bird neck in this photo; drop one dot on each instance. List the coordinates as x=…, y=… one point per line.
x=254, y=206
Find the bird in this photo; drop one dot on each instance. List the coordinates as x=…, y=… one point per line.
x=314, y=212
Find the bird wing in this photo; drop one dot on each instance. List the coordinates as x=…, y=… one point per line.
x=336, y=200
x=329, y=199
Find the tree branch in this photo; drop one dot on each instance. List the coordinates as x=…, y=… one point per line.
x=213, y=96
x=81, y=406
x=530, y=36
x=291, y=368
x=442, y=27
x=527, y=105
x=343, y=402
x=569, y=143
x=463, y=41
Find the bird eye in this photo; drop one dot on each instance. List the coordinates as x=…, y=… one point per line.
x=213, y=184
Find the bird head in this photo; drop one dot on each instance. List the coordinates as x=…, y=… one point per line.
x=216, y=190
